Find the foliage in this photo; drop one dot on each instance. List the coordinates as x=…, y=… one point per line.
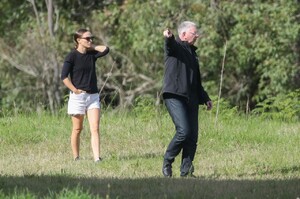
x=135, y=38
x=282, y=107
x=24, y=194
x=226, y=110
x=144, y=108
x=12, y=14
x=262, y=58
x=77, y=193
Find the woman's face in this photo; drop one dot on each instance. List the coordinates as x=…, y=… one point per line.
x=86, y=40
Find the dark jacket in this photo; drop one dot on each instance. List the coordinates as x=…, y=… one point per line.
x=182, y=75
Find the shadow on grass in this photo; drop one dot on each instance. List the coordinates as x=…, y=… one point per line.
x=47, y=186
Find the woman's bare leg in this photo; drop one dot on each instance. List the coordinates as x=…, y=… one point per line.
x=77, y=121
x=94, y=120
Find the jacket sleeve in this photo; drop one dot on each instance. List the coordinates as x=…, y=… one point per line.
x=203, y=98
x=170, y=44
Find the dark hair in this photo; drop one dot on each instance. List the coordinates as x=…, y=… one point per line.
x=78, y=34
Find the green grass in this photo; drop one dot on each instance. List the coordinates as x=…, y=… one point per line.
x=239, y=157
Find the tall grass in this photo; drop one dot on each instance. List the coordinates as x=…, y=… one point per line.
x=240, y=157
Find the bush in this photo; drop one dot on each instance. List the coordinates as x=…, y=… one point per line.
x=283, y=107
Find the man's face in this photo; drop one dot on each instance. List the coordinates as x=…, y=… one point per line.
x=190, y=35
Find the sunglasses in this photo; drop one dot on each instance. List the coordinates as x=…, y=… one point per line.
x=88, y=38
x=195, y=34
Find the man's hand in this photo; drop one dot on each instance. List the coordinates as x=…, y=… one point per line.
x=167, y=33
x=209, y=105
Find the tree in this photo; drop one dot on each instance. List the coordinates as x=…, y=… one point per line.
x=262, y=57
x=135, y=37
x=37, y=54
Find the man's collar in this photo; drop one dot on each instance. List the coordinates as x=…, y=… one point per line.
x=186, y=44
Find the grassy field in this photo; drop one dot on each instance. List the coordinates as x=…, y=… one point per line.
x=237, y=157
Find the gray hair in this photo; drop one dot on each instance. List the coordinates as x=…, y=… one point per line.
x=184, y=26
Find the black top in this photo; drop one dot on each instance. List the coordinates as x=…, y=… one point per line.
x=182, y=74
x=82, y=69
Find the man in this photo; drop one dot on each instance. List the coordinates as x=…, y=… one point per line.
x=183, y=92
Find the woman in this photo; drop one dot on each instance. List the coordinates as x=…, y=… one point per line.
x=84, y=98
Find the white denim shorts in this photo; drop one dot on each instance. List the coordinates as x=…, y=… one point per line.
x=79, y=103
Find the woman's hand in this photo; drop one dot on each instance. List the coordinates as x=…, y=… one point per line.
x=77, y=91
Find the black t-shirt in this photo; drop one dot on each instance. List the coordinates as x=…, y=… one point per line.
x=82, y=69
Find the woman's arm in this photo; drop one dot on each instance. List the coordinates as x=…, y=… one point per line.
x=70, y=86
x=99, y=48
x=65, y=77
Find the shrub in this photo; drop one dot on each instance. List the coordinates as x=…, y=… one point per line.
x=284, y=107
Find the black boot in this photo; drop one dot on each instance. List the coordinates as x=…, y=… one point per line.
x=188, y=173
x=167, y=169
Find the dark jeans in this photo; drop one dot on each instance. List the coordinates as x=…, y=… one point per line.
x=185, y=118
